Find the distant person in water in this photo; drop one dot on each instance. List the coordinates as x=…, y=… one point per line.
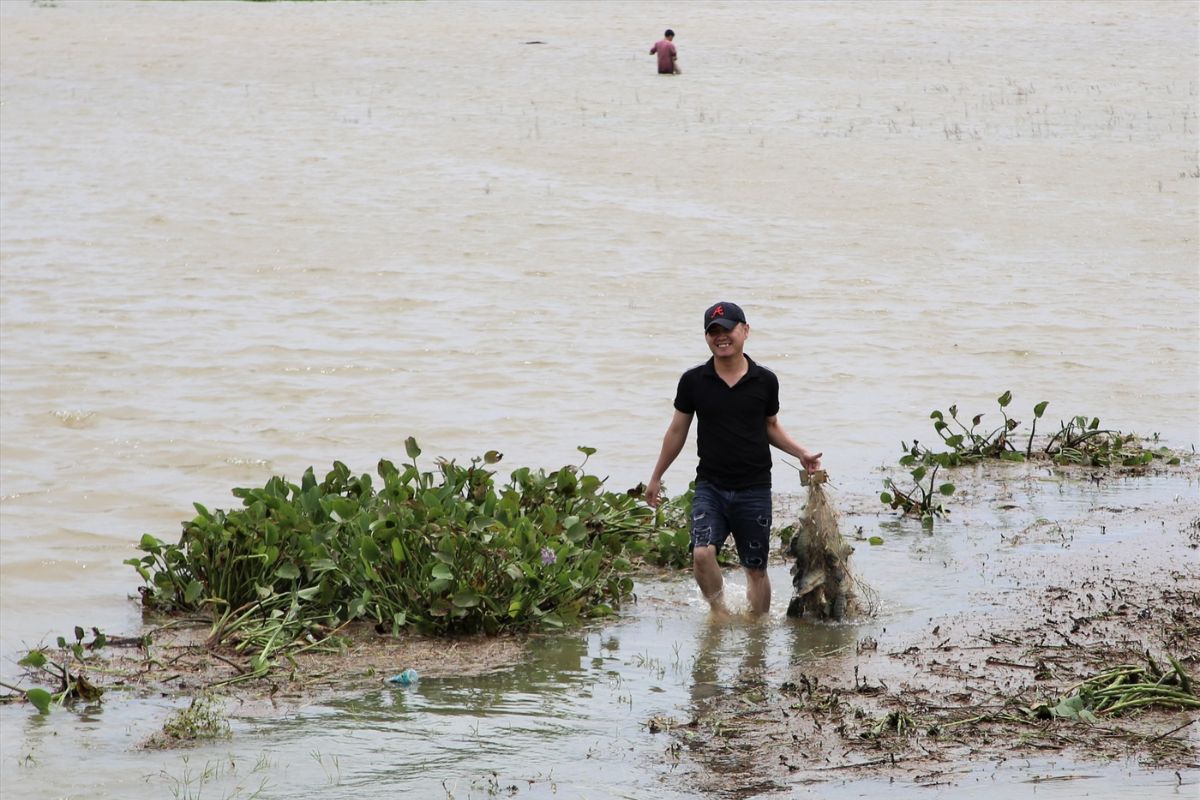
x=665, y=50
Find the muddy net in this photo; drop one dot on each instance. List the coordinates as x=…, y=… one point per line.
x=823, y=585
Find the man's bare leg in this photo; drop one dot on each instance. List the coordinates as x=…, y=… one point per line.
x=708, y=578
x=758, y=591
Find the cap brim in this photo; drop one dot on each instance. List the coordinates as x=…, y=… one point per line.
x=727, y=324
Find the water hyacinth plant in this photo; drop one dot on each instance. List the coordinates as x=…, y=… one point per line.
x=1077, y=442
x=443, y=551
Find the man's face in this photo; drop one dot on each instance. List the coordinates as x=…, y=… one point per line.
x=726, y=342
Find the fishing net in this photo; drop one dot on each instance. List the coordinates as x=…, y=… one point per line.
x=824, y=588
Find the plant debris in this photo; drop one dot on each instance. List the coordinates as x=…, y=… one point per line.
x=824, y=588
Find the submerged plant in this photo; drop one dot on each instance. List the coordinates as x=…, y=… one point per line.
x=204, y=718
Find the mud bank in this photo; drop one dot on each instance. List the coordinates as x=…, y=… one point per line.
x=1056, y=602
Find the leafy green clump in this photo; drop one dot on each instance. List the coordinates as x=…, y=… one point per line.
x=204, y=718
x=1078, y=442
x=444, y=552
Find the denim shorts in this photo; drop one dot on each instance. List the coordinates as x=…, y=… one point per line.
x=746, y=513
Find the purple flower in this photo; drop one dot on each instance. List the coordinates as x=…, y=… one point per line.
x=548, y=556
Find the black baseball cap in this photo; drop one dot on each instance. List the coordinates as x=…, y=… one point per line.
x=727, y=315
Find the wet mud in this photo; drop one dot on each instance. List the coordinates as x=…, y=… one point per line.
x=927, y=706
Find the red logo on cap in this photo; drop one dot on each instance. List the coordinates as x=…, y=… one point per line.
x=719, y=311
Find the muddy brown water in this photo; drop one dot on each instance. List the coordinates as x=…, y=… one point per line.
x=240, y=239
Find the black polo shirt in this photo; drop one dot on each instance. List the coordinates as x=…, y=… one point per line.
x=731, y=437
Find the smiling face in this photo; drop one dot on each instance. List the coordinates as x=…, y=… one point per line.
x=725, y=343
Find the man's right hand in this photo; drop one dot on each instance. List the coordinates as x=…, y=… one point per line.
x=653, y=489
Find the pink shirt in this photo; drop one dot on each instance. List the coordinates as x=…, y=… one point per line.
x=666, y=56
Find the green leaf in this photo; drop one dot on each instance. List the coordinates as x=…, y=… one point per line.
x=946, y=489
x=1040, y=408
x=410, y=447
x=466, y=599
x=192, y=593
x=492, y=456
x=442, y=572
x=35, y=659
x=918, y=474
x=1073, y=708
x=577, y=533
x=936, y=415
x=587, y=451
x=1004, y=399
x=287, y=571
x=397, y=550
x=369, y=550
x=875, y=540
x=40, y=699
x=150, y=544
x=884, y=497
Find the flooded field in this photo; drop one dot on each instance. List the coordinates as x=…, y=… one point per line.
x=593, y=713
x=237, y=240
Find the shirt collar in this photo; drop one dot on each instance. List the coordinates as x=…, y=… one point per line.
x=752, y=369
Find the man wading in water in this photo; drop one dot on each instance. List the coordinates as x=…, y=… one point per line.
x=737, y=401
x=664, y=48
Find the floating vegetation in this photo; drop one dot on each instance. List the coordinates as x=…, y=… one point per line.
x=203, y=719
x=1079, y=441
x=924, y=497
x=68, y=675
x=445, y=551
